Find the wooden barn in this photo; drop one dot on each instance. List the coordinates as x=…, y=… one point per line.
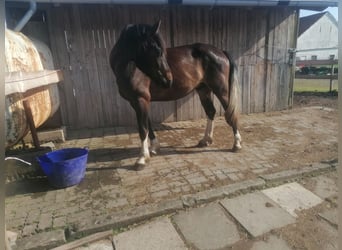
x=317, y=37
x=261, y=36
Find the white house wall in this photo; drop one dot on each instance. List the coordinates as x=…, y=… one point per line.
x=320, y=40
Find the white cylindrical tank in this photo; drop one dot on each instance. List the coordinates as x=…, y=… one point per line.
x=29, y=58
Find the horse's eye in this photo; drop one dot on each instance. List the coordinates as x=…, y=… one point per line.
x=158, y=51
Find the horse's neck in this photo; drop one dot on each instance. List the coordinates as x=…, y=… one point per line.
x=122, y=58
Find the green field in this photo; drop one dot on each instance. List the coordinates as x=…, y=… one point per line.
x=313, y=85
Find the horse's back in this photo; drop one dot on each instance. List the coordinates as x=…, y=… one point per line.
x=191, y=65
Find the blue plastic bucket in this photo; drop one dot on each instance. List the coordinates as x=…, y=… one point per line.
x=64, y=167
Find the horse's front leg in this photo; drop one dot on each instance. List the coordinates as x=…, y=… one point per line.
x=155, y=146
x=141, y=108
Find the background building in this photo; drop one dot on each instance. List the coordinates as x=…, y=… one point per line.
x=317, y=37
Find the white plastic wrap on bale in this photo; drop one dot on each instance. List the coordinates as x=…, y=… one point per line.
x=31, y=61
x=21, y=54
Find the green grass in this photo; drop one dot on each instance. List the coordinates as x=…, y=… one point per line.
x=313, y=85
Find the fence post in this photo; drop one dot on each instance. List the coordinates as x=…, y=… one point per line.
x=331, y=76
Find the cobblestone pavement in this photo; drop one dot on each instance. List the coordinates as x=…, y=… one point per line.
x=294, y=215
x=272, y=142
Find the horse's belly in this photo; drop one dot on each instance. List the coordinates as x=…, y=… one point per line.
x=173, y=93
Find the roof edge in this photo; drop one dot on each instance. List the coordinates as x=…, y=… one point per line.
x=306, y=4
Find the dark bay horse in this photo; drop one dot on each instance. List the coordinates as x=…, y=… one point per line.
x=146, y=71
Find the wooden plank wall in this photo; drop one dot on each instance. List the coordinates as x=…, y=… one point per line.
x=82, y=36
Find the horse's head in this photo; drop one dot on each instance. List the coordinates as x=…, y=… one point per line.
x=150, y=52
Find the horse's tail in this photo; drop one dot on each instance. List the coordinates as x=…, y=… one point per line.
x=232, y=111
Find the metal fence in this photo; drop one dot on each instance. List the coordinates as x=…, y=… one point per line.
x=317, y=69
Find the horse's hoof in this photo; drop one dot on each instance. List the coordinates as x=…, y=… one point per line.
x=139, y=166
x=154, y=150
x=236, y=148
x=140, y=163
x=155, y=147
x=204, y=143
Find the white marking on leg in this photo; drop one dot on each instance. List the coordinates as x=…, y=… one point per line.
x=208, y=134
x=237, y=140
x=144, y=153
x=155, y=146
x=209, y=131
x=144, y=148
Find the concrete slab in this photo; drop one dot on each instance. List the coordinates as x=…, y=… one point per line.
x=331, y=236
x=207, y=227
x=257, y=213
x=158, y=234
x=292, y=197
x=325, y=187
x=330, y=216
x=11, y=237
x=99, y=245
x=45, y=240
x=272, y=243
x=99, y=241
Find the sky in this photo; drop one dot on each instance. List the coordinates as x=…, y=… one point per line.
x=332, y=10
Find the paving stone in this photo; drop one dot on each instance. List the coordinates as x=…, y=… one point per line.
x=99, y=245
x=257, y=213
x=329, y=237
x=292, y=197
x=331, y=216
x=28, y=230
x=160, y=194
x=207, y=227
x=271, y=244
x=116, y=203
x=175, y=163
x=33, y=217
x=59, y=222
x=197, y=180
x=220, y=175
x=233, y=177
x=71, y=218
x=46, y=240
x=15, y=223
x=158, y=187
x=158, y=234
x=325, y=187
x=177, y=183
x=45, y=221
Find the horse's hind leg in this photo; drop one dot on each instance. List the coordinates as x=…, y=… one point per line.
x=230, y=115
x=232, y=121
x=207, y=102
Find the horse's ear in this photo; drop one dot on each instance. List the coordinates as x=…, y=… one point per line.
x=155, y=28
